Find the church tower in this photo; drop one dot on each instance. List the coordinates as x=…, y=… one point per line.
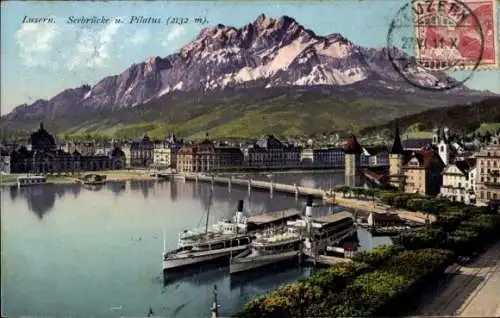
x=396, y=156
x=352, y=160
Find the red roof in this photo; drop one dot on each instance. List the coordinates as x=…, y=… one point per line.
x=379, y=178
x=424, y=157
x=352, y=146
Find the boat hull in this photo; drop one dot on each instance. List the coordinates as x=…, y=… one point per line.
x=200, y=257
x=243, y=264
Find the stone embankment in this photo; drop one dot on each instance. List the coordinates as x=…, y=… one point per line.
x=372, y=206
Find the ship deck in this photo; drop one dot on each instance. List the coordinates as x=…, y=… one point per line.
x=332, y=218
x=271, y=217
x=202, y=239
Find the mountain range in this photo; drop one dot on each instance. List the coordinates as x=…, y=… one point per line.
x=269, y=76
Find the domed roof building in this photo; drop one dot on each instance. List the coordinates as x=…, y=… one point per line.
x=41, y=140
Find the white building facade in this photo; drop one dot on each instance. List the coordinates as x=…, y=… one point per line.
x=459, y=182
x=5, y=164
x=162, y=158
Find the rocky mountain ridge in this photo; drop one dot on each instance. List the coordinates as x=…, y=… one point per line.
x=267, y=53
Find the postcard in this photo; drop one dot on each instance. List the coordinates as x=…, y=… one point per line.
x=250, y=159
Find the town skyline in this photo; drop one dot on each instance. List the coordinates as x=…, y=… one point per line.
x=84, y=55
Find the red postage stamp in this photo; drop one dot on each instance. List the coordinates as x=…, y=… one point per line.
x=453, y=34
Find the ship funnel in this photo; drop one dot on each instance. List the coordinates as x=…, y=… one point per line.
x=239, y=212
x=240, y=206
x=309, y=206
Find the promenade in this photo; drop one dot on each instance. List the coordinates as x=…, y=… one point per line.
x=473, y=291
x=111, y=176
x=372, y=206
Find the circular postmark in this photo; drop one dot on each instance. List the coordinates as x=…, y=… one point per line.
x=435, y=44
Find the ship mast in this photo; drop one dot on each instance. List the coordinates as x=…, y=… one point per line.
x=164, y=242
x=208, y=211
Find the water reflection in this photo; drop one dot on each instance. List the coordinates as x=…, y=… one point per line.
x=117, y=187
x=144, y=186
x=122, y=247
x=41, y=199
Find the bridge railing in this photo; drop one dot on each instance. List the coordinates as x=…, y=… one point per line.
x=256, y=184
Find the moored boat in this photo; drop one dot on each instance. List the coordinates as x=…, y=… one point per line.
x=211, y=250
x=270, y=248
x=195, y=247
x=92, y=179
x=224, y=227
x=306, y=236
x=324, y=231
x=278, y=245
x=25, y=181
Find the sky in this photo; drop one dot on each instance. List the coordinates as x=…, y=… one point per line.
x=40, y=60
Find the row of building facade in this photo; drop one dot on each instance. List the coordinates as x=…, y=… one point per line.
x=43, y=155
x=442, y=167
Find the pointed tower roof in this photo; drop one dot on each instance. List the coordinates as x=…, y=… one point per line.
x=397, y=146
x=352, y=146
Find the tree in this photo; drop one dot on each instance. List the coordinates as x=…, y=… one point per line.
x=414, y=204
x=343, y=190
x=387, y=198
x=370, y=193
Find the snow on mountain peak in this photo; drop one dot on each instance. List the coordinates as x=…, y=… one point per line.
x=269, y=52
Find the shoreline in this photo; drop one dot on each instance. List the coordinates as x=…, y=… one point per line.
x=111, y=176
x=143, y=175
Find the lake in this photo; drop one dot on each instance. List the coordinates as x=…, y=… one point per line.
x=68, y=250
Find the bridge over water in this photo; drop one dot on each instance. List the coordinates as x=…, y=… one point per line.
x=257, y=184
x=327, y=196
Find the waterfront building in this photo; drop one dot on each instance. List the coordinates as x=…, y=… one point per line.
x=488, y=172
x=85, y=148
x=307, y=157
x=165, y=153
x=4, y=161
x=42, y=141
x=442, y=141
x=379, y=219
x=206, y=157
x=44, y=157
x=458, y=182
x=162, y=158
x=422, y=172
x=396, y=161
x=352, y=170
x=271, y=153
x=139, y=153
x=377, y=156
x=329, y=157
